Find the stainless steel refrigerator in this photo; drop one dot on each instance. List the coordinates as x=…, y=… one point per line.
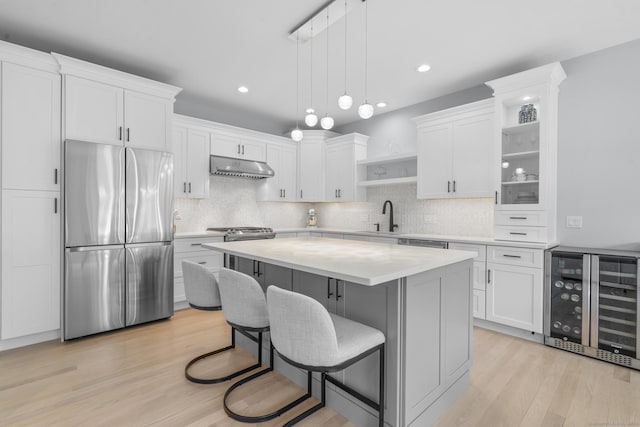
x=118, y=260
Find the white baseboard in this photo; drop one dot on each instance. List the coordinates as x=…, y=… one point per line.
x=29, y=340
x=509, y=330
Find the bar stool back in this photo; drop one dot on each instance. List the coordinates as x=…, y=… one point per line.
x=307, y=336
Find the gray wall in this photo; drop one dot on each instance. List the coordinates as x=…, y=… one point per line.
x=599, y=148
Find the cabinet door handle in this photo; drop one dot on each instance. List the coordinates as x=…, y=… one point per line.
x=55, y=176
x=243, y=149
x=338, y=296
x=517, y=217
x=454, y=186
x=335, y=193
x=128, y=134
x=202, y=262
x=448, y=186
x=329, y=293
x=489, y=276
x=284, y=192
x=120, y=134
x=55, y=205
x=517, y=234
x=189, y=187
x=238, y=148
x=184, y=187
x=496, y=197
x=301, y=194
x=339, y=193
x=511, y=256
x=196, y=244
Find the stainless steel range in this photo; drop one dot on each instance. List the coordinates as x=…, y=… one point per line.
x=232, y=234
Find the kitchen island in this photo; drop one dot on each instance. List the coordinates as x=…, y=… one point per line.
x=420, y=298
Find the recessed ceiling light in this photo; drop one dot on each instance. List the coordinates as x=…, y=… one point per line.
x=424, y=68
x=526, y=98
x=243, y=89
x=381, y=104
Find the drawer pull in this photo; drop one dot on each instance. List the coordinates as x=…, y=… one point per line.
x=511, y=256
x=517, y=217
x=517, y=234
x=202, y=262
x=196, y=244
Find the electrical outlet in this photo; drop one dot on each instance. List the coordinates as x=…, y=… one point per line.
x=574, y=221
x=429, y=219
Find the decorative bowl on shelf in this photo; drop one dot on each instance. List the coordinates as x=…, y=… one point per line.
x=532, y=176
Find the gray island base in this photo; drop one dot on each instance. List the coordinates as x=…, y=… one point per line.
x=420, y=298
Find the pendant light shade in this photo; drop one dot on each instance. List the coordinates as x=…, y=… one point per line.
x=365, y=111
x=326, y=122
x=296, y=134
x=311, y=119
x=345, y=101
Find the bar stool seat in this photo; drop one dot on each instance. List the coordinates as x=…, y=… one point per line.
x=307, y=336
x=202, y=292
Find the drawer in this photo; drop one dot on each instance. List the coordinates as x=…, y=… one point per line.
x=210, y=259
x=193, y=244
x=480, y=250
x=521, y=234
x=479, y=299
x=519, y=218
x=515, y=256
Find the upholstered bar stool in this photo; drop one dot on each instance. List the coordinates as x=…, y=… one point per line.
x=201, y=289
x=307, y=336
x=245, y=309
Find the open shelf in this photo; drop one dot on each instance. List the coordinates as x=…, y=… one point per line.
x=388, y=170
x=521, y=155
x=389, y=159
x=522, y=128
x=389, y=181
x=520, y=182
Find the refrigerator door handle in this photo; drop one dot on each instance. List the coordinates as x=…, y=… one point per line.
x=586, y=298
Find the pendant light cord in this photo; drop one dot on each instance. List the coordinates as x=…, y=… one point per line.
x=345, y=46
x=311, y=67
x=327, y=103
x=297, y=76
x=366, y=46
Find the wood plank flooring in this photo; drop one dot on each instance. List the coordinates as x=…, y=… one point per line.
x=135, y=377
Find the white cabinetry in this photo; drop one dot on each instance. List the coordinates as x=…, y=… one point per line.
x=479, y=275
x=30, y=262
x=111, y=107
x=514, y=287
x=312, y=166
x=455, y=150
x=30, y=128
x=191, y=161
x=238, y=146
x=526, y=154
x=342, y=155
x=191, y=249
x=281, y=157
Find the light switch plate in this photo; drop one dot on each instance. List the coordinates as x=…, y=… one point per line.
x=574, y=221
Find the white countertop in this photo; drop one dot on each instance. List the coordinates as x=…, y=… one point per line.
x=189, y=234
x=365, y=263
x=442, y=237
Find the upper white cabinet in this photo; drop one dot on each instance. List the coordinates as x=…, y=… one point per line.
x=526, y=135
x=107, y=106
x=455, y=150
x=238, y=146
x=312, y=166
x=30, y=128
x=191, y=160
x=342, y=155
x=281, y=157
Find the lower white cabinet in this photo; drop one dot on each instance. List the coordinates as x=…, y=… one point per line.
x=191, y=249
x=479, y=275
x=30, y=262
x=478, y=304
x=514, y=295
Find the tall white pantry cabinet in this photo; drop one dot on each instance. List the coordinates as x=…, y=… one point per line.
x=44, y=99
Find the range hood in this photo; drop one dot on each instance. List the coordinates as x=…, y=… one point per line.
x=228, y=166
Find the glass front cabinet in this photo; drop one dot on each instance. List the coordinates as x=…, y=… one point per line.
x=526, y=130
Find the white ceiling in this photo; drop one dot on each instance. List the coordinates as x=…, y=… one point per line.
x=210, y=47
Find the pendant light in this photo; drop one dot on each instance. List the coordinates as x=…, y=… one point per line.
x=311, y=119
x=296, y=134
x=365, y=110
x=327, y=121
x=345, y=101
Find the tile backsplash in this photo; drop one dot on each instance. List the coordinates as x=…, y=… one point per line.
x=232, y=202
x=462, y=217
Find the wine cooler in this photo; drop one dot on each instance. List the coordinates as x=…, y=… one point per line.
x=591, y=303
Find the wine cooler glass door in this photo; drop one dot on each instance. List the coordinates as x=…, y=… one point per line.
x=568, y=292
x=615, y=317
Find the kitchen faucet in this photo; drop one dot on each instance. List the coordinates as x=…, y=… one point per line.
x=392, y=226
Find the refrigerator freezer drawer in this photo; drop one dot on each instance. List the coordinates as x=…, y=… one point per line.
x=149, y=282
x=94, y=194
x=93, y=290
x=149, y=196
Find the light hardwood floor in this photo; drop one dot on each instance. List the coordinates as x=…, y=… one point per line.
x=135, y=377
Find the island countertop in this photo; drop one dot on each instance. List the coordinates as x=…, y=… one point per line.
x=366, y=263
